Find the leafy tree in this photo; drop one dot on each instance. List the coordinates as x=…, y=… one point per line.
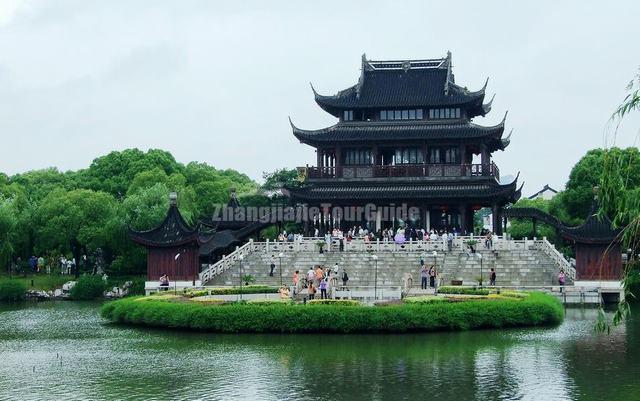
x=37, y=184
x=114, y=172
x=50, y=212
x=75, y=221
x=587, y=173
x=148, y=207
x=280, y=178
x=523, y=228
x=8, y=223
x=619, y=196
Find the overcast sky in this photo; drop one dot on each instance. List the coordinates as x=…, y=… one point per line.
x=215, y=81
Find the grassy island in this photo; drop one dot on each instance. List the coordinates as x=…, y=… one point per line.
x=430, y=314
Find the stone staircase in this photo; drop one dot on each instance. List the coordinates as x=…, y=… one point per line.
x=514, y=267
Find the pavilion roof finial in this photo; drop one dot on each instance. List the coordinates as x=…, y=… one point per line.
x=504, y=118
x=313, y=89
x=449, y=74
x=173, y=198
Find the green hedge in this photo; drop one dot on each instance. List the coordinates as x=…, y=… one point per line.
x=462, y=290
x=247, y=289
x=12, y=290
x=425, y=299
x=88, y=287
x=536, y=310
x=340, y=302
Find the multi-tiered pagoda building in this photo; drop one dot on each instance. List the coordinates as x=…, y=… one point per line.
x=405, y=135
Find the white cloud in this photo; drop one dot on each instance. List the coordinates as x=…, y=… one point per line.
x=9, y=9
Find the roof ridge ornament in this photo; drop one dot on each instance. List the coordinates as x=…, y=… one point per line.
x=486, y=108
x=363, y=66
x=504, y=118
x=449, y=75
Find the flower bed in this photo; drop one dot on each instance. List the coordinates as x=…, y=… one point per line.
x=535, y=310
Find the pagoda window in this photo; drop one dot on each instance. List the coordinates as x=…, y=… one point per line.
x=452, y=155
x=434, y=156
x=444, y=113
x=412, y=155
x=409, y=114
x=447, y=155
x=357, y=156
x=348, y=115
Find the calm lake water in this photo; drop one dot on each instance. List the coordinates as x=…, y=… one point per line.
x=64, y=350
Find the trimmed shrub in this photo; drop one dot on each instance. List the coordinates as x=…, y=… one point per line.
x=159, y=297
x=270, y=302
x=536, y=310
x=425, y=299
x=340, y=302
x=88, y=287
x=137, y=287
x=12, y=290
x=207, y=300
x=462, y=291
x=247, y=289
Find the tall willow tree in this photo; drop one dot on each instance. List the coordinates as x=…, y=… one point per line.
x=621, y=200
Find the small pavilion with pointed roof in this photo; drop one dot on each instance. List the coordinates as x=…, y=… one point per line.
x=405, y=135
x=172, y=247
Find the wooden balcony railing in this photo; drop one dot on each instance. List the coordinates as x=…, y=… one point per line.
x=410, y=170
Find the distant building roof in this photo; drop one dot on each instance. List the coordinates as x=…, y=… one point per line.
x=545, y=189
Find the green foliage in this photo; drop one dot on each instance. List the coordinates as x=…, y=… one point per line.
x=619, y=198
x=88, y=287
x=588, y=173
x=336, y=302
x=462, y=290
x=248, y=279
x=48, y=212
x=425, y=299
x=81, y=217
x=269, y=302
x=279, y=179
x=246, y=289
x=8, y=223
x=536, y=310
x=12, y=290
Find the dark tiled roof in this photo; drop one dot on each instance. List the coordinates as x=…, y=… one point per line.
x=405, y=130
x=594, y=230
x=399, y=191
x=399, y=88
x=173, y=231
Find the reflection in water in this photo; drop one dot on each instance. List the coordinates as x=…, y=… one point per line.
x=77, y=356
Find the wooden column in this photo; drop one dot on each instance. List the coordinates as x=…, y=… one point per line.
x=495, y=217
x=484, y=159
x=462, y=210
x=319, y=158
